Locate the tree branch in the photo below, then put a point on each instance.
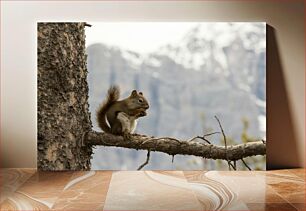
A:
(146, 162)
(174, 146)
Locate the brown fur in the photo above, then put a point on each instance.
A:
(134, 106)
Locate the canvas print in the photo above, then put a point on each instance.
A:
(152, 96)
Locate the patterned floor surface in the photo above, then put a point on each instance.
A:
(28, 189)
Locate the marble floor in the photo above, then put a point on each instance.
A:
(29, 189)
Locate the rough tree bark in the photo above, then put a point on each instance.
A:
(63, 112)
(174, 146)
(65, 138)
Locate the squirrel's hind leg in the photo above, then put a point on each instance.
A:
(116, 128)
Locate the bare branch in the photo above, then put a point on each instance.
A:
(146, 162)
(200, 137)
(231, 165)
(224, 138)
(209, 134)
(203, 137)
(171, 147)
(246, 164)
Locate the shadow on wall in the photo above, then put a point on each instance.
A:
(282, 147)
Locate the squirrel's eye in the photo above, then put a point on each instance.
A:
(140, 100)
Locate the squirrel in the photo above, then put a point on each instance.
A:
(121, 114)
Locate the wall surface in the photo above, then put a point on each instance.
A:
(285, 70)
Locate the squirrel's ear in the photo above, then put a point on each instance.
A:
(140, 93)
(134, 93)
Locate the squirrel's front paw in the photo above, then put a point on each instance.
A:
(141, 114)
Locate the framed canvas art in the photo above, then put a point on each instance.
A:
(152, 96)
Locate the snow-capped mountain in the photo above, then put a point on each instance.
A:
(216, 69)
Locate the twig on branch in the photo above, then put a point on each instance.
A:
(246, 164)
(203, 137)
(171, 147)
(224, 138)
(209, 134)
(146, 162)
(200, 137)
(231, 165)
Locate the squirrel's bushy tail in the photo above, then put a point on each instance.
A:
(113, 95)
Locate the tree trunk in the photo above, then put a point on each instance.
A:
(63, 110)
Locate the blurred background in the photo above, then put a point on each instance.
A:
(189, 72)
